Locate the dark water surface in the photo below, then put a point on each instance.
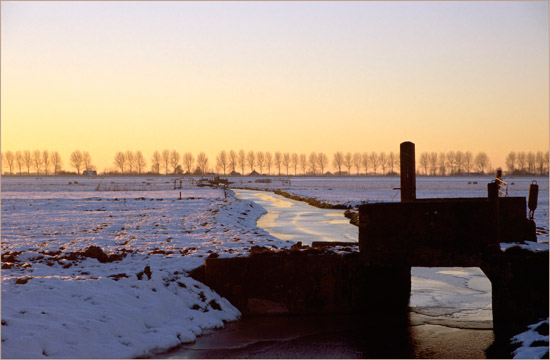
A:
(335, 337)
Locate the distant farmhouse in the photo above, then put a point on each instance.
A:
(89, 173)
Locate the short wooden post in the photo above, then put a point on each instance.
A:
(408, 172)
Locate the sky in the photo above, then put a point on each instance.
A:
(274, 76)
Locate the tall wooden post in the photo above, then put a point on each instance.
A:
(408, 172)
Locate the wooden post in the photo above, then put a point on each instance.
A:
(492, 197)
(408, 172)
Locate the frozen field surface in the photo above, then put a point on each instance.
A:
(98, 267)
(62, 298)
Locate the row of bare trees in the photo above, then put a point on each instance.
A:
(453, 163)
(314, 163)
(44, 162)
(527, 163)
(277, 163)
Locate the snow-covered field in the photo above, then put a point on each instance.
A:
(59, 302)
(98, 267)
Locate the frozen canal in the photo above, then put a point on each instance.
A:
(293, 220)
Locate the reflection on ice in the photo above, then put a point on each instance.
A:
(459, 297)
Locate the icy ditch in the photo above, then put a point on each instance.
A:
(57, 302)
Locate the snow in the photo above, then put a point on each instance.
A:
(526, 350)
(57, 303)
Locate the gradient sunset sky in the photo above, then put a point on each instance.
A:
(274, 76)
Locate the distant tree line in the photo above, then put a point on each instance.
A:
(266, 163)
(530, 163)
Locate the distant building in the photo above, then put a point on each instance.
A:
(89, 173)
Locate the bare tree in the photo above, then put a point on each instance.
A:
(221, 161)
(425, 161)
(242, 160)
(155, 162)
(202, 162)
(451, 161)
(232, 160)
(482, 162)
(27, 160)
(130, 161)
(303, 163)
(140, 161)
(348, 162)
(174, 160)
(374, 162)
(365, 162)
(76, 160)
(188, 161)
(383, 160)
(468, 161)
(459, 161)
(10, 160)
(338, 161)
(312, 161)
(286, 162)
(531, 162)
(442, 164)
(268, 162)
(56, 162)
(433, 163)
(522, 161)
(87, 160)
(46, 161)
(19, 160)
(165, 160)
(356, 160)
(392, 161)
(511, 160)
(120, 161)
(278, 161)
(541, 161)
(260, 161)
(295, 162)
(251, 159)
(322, 160)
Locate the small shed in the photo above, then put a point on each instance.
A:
(89, 173)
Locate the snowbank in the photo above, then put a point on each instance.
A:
(533, 342)
(74, 277)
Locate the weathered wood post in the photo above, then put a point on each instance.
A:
(408, 172)
(494, 216)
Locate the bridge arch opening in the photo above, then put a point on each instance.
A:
(450, 306)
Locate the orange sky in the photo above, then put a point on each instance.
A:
(274, 76)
